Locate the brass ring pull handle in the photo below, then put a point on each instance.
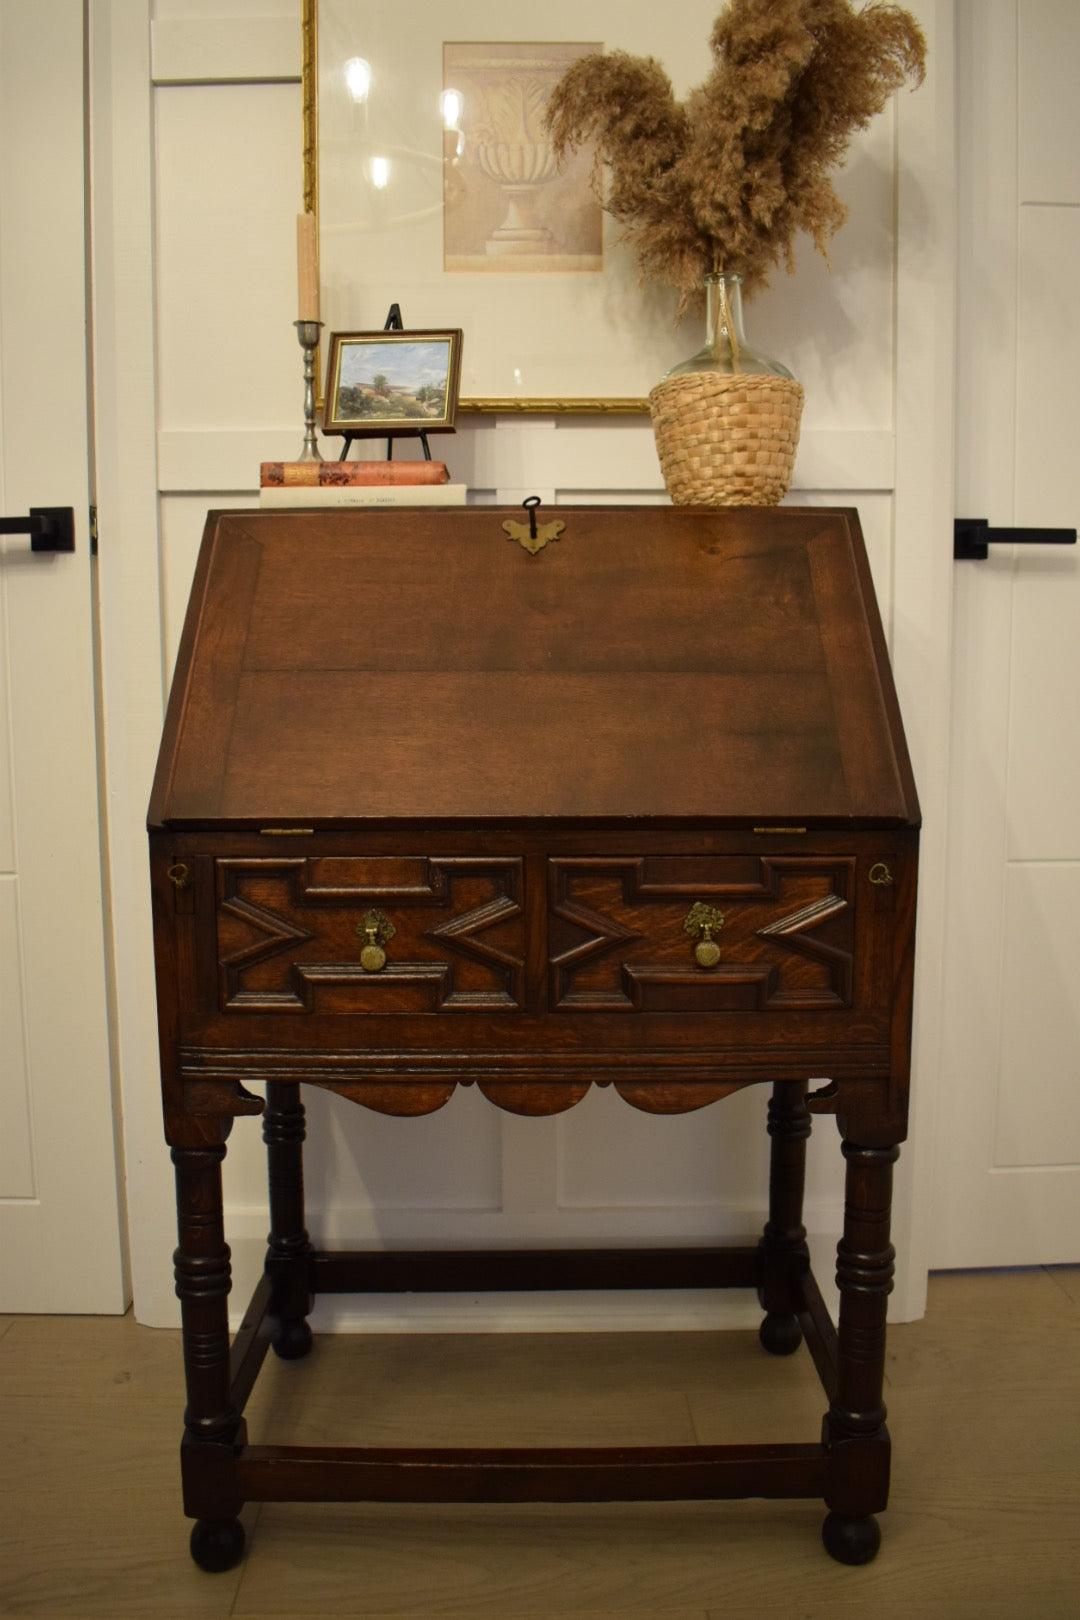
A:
(701, 924)
(178, 874)
(880, 875)
(379, 931)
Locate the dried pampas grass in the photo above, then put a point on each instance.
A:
(725, 180)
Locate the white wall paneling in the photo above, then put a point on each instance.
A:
(1047, 329)
(920, 610)
(129, 601)
(576, 452)
(227, 175)
(16, 1161)
(1042, 778)
(1049, 49)
(259, 47)
(204, 223)
(16, 1154)
(7, 807)
(1038, 1100)
(698, 1175)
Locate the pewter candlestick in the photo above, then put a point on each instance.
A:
(308, 333)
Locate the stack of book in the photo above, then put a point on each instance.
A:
(358, 483)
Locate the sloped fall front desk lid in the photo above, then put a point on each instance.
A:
(344, 667)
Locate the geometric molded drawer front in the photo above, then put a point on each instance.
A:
(618, 942)
(291, 934)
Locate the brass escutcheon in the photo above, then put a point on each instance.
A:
(178, 874)
(532, 535)
(701, 923)
(880, 874)
(379, 931)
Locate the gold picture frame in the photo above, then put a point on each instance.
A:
(582, 343)
(382, 384)
(600, 313)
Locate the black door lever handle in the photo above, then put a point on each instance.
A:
(973, 536)
(51, 528)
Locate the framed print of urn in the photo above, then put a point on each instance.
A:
(711, 192)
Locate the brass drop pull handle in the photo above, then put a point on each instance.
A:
(701, 924)
(379, 931)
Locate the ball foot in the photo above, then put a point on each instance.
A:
(216, 1544)
(291, 1340)
(780, 1335)
(851, 1540)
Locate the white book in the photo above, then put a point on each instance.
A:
(299, 495)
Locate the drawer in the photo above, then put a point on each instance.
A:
(335, 934)
(702, 933)
(329, 934)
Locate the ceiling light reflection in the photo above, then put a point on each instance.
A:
(451, 104)
(358, 77)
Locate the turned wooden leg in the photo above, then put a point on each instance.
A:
(213, 1427)
(784, 1253)
(290, 1249)
(856, 1439)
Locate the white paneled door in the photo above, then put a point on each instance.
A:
(1008, 1138)
(60, 1230)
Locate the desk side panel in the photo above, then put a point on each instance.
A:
(192, 759)
(890, 700)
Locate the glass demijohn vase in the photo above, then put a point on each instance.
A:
(726, 347)
(727, 419)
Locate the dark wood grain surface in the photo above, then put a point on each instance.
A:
(412, 665)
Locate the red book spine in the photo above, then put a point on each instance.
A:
(331, 474)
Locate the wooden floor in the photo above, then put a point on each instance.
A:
(984, 1399)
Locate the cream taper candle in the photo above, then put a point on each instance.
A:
(307, 267)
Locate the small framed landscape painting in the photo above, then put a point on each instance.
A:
(382, 383)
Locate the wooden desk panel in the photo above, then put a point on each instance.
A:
(713, 666)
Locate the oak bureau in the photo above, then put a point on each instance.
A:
(600, 795)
